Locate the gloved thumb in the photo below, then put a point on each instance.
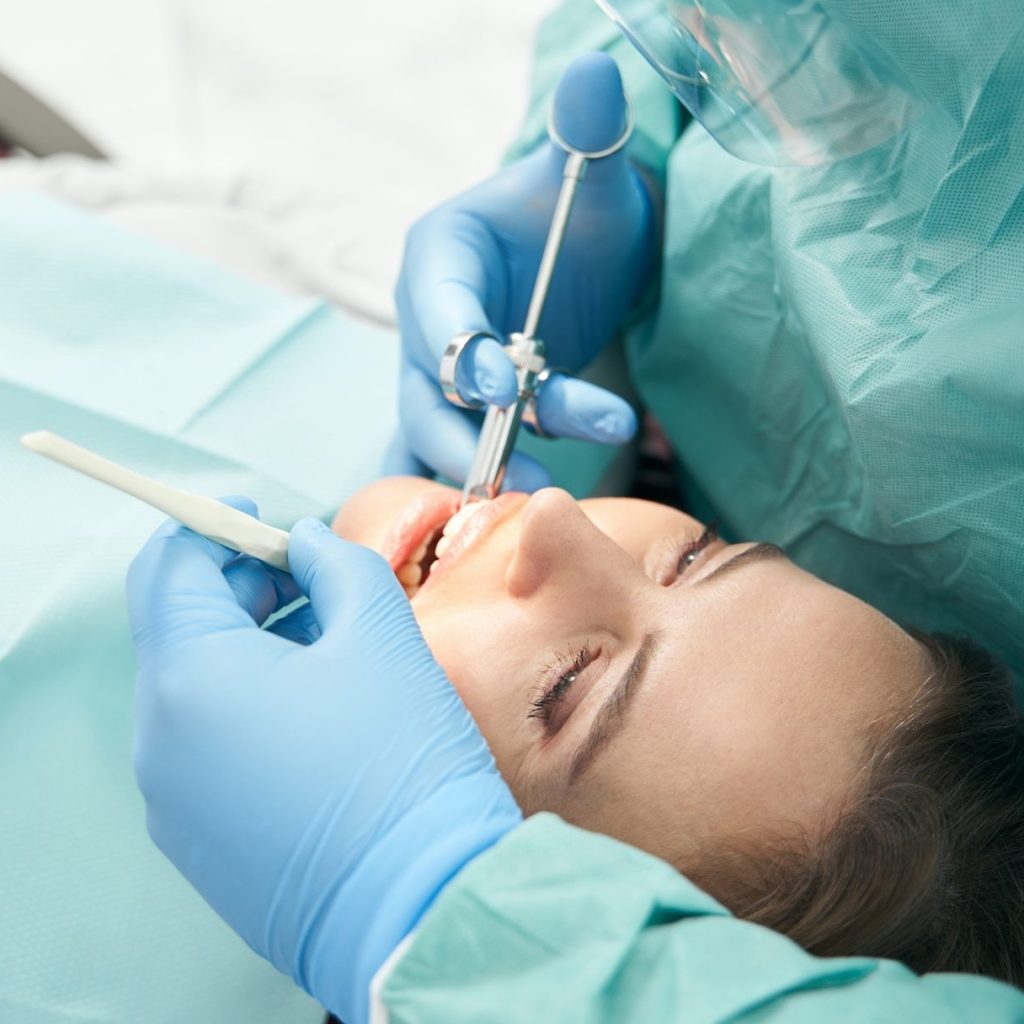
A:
(344, 582)
(590, 112)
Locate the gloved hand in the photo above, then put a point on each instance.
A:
(470, 265)
(318, 782)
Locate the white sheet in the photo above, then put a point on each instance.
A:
(294, 141)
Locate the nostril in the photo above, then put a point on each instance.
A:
(552, 528)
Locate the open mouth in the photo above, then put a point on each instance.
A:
(434, 543)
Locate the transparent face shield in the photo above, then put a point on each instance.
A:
(774, 81)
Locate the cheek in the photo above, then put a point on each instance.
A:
(468, 648)
(475, 654)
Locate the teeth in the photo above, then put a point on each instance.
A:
(410, 574)
(463, 516)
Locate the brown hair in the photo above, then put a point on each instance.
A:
(926, 863)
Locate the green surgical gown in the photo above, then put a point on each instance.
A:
(837, 353)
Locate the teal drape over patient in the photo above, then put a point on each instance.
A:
(837, 353)
(190, 374)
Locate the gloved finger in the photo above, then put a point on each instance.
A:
(343, 580)
(484, 373)
(452, 272)
(525, 473)
(176, 586)
(590, 113)
(445, 438)
(298, 626)
(399, 460)
(259, 588)
(569, 407)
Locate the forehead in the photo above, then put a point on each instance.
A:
(778, 637)
(635, 511)
(760, 700)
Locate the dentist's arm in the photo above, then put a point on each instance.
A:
(319, 782)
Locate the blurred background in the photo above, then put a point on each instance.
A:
(294, 141)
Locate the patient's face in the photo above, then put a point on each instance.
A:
(633, 676)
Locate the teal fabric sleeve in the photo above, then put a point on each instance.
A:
(558, 924)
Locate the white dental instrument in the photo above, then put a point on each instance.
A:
(207, 516)
(525, 349)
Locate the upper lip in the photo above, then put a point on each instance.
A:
(481, 523)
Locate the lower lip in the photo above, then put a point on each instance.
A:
(494, 511)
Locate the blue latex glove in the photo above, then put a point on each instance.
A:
(470, 265)
(319, 781)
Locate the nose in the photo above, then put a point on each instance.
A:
(560, 548)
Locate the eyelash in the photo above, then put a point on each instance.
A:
(543, 706)
(689, 552)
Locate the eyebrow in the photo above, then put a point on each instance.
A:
(612, 713)
(758, 553)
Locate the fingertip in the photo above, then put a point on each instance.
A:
(309, 533)
(486, 373)
(590, 104)
(438, 435)
(616, 426)
(569, 407)
(312, 543)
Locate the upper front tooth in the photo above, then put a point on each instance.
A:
(443, 545)
(457, 521)
(463, 516)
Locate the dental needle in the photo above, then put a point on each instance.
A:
(527, 352)
(207, 516)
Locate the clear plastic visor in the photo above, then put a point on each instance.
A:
(774, 81)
